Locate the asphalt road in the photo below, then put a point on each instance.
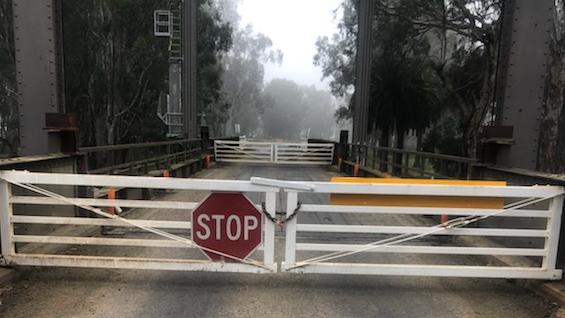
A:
(63, 292)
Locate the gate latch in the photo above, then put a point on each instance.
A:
(280, 218)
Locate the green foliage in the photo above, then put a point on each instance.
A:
(444, 136)
(403, 86)
(336, 56)
(116, 69)
(432, 61)
(214, 40)
(243, 79)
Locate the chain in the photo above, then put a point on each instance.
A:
(280, 218)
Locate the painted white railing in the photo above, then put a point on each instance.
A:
(363, 258)
(243, 151)
(273, 152)
(304, 153)
(30, 181)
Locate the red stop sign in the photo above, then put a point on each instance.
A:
(228, 223)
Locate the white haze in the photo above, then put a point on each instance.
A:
(294, 26)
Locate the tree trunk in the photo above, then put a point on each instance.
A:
(479, 112)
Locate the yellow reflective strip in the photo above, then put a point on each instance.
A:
(418, 201)
(419, 181)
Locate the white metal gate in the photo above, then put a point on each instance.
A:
(334, 257)
(273, 152)
(326, 255)
(161, 228)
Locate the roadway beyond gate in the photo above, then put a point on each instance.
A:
(48, 292)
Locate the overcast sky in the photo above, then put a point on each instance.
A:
(294, 26)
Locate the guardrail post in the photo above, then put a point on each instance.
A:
(469, 171)
(405, 163)
(342, 149)
(269, 244)
(290, 243)
(6, 227)
(374, 161)
(553, 228)
(383, 160)
(204, 139)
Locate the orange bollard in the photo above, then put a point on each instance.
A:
(166, 174)
(356, 170)
(111, 196)
(208, 161)
(444, 218)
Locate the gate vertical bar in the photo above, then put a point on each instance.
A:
(215, 150)
(290, 243)
(553, 227)
(274, 151)
(6, 227)
(269, 248)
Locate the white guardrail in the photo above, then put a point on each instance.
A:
(273, 152)
(401, 240)
(27, 180)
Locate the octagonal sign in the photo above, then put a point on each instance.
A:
(228, 223)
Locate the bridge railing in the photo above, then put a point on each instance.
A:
(406, 163)
(140, 158)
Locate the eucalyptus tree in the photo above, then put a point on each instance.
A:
(423, 52)
(243, 79)
(116, 68)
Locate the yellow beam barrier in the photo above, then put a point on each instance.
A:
(418, 201)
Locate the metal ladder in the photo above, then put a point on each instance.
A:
(175, 43)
